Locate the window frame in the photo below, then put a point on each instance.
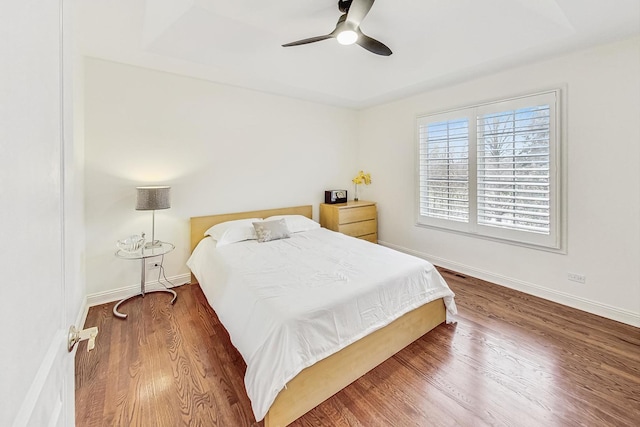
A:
(555, 240)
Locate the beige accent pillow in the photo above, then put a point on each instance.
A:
(271, 230)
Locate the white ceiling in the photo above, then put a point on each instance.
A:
(434, 42)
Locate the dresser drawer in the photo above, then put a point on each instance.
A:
(356, 219)
(361, 213)
(357, 229)
(373, 238)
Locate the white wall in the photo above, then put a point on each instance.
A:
(226, 149)
(603, 185)
(222, 149)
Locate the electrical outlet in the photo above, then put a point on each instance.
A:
(153, 264)
(575, 277)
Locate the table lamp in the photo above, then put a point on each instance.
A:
(151, 199)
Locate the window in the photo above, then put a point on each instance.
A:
(492, 170)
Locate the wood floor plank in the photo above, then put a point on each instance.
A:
(509, 359)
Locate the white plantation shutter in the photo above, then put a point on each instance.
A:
(492, 170)
(444, 170)
(513, 169)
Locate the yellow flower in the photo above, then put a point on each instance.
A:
(362, 178)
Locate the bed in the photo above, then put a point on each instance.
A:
(317, 380)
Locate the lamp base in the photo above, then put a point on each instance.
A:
(153, 244)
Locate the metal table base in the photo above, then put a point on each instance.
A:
(142, 293)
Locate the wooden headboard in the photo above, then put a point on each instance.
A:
(200, 224)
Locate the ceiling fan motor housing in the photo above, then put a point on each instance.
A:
(344, 5)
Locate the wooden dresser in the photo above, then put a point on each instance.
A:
(358, 219)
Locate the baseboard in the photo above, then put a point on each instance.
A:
(593, 307)
(126, 291)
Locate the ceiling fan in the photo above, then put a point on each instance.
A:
(347, 29)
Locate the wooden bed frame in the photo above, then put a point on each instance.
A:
(322, 380)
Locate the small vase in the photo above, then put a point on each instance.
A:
(355, 197)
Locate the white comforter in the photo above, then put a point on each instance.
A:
(289, 303)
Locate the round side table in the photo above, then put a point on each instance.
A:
(149, 252)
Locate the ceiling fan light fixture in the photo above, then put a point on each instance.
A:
(347, 37)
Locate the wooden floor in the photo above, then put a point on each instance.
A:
(509, 360)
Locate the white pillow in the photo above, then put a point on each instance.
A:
(229, 232)
(296, 223)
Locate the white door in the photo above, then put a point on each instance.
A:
(38, 250)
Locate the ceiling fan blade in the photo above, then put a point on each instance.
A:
(373, 45)
(319, 38)
(309, 40)
(358, 10)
